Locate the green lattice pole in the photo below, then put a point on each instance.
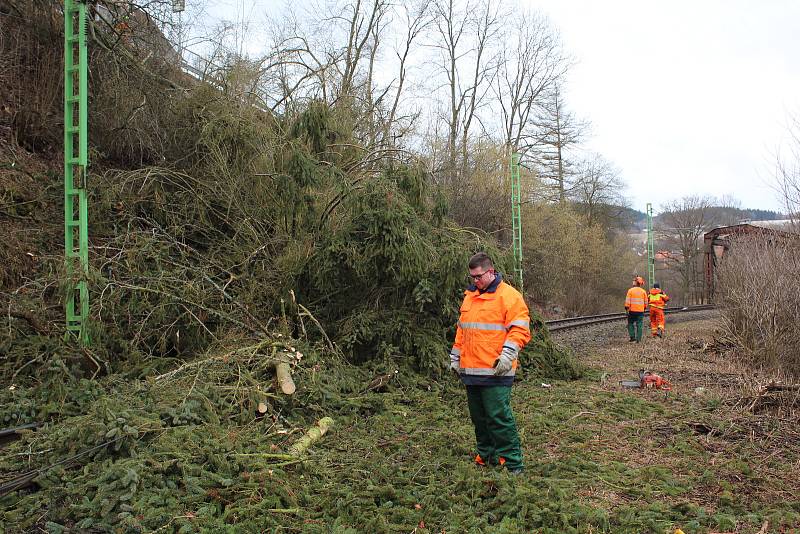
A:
(516, 217)
(76, 233)
(651, 256)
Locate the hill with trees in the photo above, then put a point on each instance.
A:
(272, 240)
(259, 218)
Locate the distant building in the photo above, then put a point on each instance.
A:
(716, 244)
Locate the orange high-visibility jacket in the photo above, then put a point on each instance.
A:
(636, 299)
(489, 322)
(658, 299)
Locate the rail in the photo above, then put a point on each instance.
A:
(586, 320)
(10, 434)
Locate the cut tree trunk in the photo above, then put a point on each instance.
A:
(314, 434)
(285, 378)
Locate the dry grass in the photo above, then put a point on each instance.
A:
(758, 306)
(748, 436)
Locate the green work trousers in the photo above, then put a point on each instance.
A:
(635, 325)
(495, 428)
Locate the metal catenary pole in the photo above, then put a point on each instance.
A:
(516, 217)
(651, 257)
(76, 233)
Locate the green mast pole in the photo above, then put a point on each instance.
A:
(516, 217)
(651, 256)
(76, 233)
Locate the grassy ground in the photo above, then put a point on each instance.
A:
(599, 459)
(711, 456)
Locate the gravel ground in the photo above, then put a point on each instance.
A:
(587, 338)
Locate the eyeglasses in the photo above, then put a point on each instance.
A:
(476, 276)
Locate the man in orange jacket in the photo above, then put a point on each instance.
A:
(635, 306)
(658, 301)
(493, 327)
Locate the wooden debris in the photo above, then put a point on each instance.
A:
(772, 386)
(380, 382)
(285, 381)
(314, 434)
(699, 427)
(770, 395)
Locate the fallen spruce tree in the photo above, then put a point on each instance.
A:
(266, 242)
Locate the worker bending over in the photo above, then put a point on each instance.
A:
(635, 306)
(658, 301)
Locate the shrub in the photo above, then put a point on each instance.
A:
(756, 281)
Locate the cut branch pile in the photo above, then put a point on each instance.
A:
(240, 264)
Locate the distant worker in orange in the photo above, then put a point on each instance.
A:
(635, 306)
(658, 300)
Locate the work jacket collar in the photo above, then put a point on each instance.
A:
(492, 287)
(655, 290)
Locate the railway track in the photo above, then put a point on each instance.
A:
(8, 435)
(586, 320)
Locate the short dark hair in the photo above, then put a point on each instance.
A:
(481, 259)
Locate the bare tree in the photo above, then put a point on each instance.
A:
(787, 173)
(298, 65)
(373, 96)
(727, 211)
(339, 58)
(486, 23)
(598, 191)
(681, 226)
(464, 35)
(556, 132)
(531, 63)
(360, 20)
(417, 19)
(451, 27)
(332, 57)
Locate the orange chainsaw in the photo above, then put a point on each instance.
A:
(647, 380)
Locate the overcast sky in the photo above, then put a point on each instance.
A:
(684, 97)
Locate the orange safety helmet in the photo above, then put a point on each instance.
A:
(639, 281)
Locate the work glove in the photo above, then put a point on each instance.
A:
(455, 363)
(503, 364)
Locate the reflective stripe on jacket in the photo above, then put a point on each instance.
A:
(658, 299)
(636, 299)
(490, 321)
